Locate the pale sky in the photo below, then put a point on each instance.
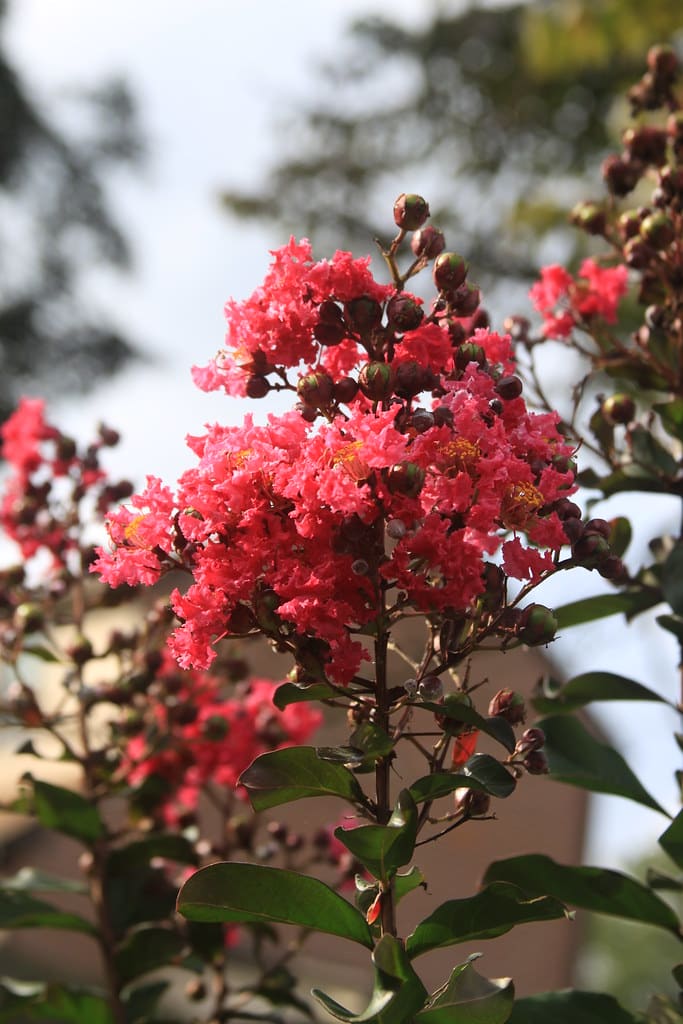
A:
(210, 78)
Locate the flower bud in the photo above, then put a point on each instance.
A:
(376, 381)
(638, 254)
(465, 300)
(410, 211)
(658, 230)
(430, 689)
(662, 62)
(509, 387)
(406, 478)
(599, 526)
(404, 313)
(619, 408)
(620, 177)
(452, 702)
(590, 550)
(412, 378)
(473, 803)
(345, 390)
(590, 218)
(531, 739)
(315, 390)
(628, 224)
(508, 705)
(257, 387)
(613, 569)
(646, 143)
(329, 334)
(537, 626)
(80, 651)
(469, 353)
(428, 242)
(363, 313)
(450, 270)
(536, 763)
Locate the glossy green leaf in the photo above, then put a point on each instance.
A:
(594, 686)
(491, 912)
(398, 994)
(21, 910)
(672, 578)
(292, 693)
(252, 892)
(66, 811)
(651, 453)
(620, 535)
(628, 603)
(145, 950)
(577, 758)
(672, 624)
(671, 841)
(51, 1002)
(469, 998)
(660, 880)
(671, 414)
(570, 1007)
(41, 652)
(384, 848)
(481, 772)
(295, 773)
(408, 882)
(677, 972)
(373, 741)
(495, 726)
(597, 889)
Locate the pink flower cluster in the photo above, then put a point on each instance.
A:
(314, 527)
(49, 479)
(201, 736)
(566, 302)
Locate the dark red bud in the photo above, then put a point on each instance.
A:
(473, 803)
(257, 387)
(404, 313)
(590, 218)
(590, 550)
(531, 739)
(410, 211)
(406, 478)
(599, 526)
(315, 390)
(536, 763)
(620, 176)
(618, 408)
(469, 353)
(450, 270)
(428, 242)
(329, 334)
(509, 387)
(658, 230)
(508, 705)
(376, 381)
(363, 313)
(662, 62)
(465, 300)
(345, 390)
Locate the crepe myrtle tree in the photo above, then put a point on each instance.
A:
(412, 481)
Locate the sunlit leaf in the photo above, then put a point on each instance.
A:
(397, 994)
(594, 686)
(295, 773)
(491, 912)
(469, 998)
(384, 848)
(251, 892)
(597, 889)
(577, 758)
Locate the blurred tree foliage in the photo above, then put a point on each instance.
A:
(498, 115)
(55, 226)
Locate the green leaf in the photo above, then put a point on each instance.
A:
(672, 578)
(373, 741)
(575, 757)
(491, 912)
(594, 686)
(597, 889)
(495, 726)
(139, 853)
(481, 772)
(570, 1007)
(141, 1001)
(295, 773)
(651, 453)
(407, 882)
(469, 998)
(292, 693)
(628, 602)
(51, 1002)
(21, 910)
(630, 478)
(33, 880)
(677, 972)
(397, 994)
(671, 414)
(620, 535)
(671, 841)
(659, 880)
(251, 892)
(673, 624)
(384, 848)
(66, 811)
(40, 651)
(146, 949)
